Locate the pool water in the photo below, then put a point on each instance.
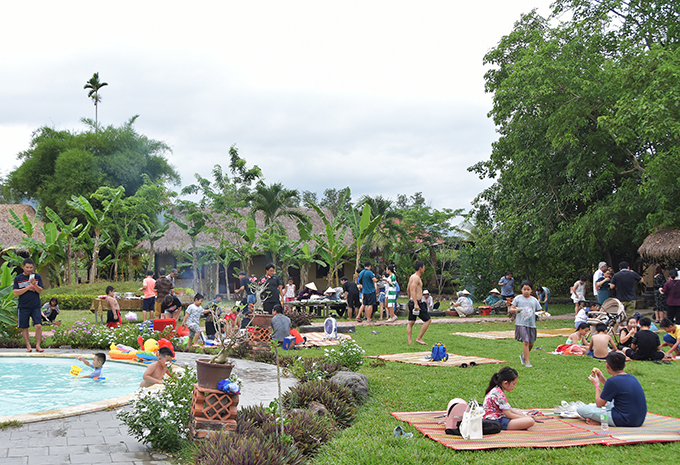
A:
(34, 384)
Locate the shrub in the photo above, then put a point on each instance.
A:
(88, 335)
(71, 301)
(307, 430)
(314, 368)
(338, 400)
(298, 318)
(348, 354)
(161, 418)
(254, 449)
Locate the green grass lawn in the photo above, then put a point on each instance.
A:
(405, 387)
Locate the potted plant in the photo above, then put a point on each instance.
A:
(211, 371)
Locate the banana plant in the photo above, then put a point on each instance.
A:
(152, 234)
(361, 227)
(23, 224)
(331, 247)
(69, 231)
(8, 305)
(96, 220)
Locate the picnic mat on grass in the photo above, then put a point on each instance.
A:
(319, 339)
(420, 358)
(553, 432)
(510, 334)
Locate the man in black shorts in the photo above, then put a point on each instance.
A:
(351, 295)
(415, 295)
(27, 287)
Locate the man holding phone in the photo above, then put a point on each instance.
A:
(27, 287)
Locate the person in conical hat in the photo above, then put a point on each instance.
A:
(308, 291)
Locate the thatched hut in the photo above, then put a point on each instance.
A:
(175, 241)
(661, 247)
(11, 236)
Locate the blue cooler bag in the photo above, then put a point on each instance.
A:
(288, 342)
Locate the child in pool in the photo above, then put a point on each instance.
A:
(157, 370)
(496, 406)
(525, 307)
(579, 336)
(97, 364)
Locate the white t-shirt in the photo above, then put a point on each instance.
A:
(194, 313)
(597, 275)
(579, 291)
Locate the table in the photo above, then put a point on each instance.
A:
(320, 308)
(99, 305)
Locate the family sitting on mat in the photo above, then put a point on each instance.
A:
(621, 395)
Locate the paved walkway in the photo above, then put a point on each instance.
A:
(99, 437)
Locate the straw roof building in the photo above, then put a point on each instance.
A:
(662, 246)
(176, 240)
(11, 236)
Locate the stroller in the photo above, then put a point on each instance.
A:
(612, 314)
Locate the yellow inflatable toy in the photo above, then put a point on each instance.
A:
(151, 345)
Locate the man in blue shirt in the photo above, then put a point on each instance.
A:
(368, 285)
(507, 284)
(622, 396)
(27, 287)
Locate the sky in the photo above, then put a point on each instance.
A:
(386, 97)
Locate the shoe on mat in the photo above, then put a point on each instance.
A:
(521, 359)
(528, 365)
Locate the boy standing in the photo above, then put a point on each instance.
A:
(193, 318)
(671, 338)
(148, 286)
(599, 344)
(27, 287)
(155, 372)
(645, 343)
(416, 306)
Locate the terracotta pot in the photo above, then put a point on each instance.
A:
(263, 320)
(209, 374)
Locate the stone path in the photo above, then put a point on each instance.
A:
(99, 437)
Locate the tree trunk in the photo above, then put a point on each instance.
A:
(194, 263)
(68, 261)
(152, 257)
(303, 274)
(95, 255)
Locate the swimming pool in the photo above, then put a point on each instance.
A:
(36, 384)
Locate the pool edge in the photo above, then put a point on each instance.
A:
(75, 409)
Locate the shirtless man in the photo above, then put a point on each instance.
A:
(415, 295)
(154, 374)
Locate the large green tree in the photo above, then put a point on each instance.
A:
(62, 164)
(587, 113)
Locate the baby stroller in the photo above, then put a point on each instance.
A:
(612, 314)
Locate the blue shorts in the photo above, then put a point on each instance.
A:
(504, 423)
(668, 339)
(369, 299)
(252, 298)
(381, 298)
(24, 314)
(148, 304)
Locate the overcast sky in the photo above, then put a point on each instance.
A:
(383, 97)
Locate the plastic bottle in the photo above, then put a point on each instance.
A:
(604, 419)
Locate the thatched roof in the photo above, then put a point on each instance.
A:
(176, 239)
(661, 246)
(11, 236)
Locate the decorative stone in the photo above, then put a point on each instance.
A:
(356, 382)
(316, 408)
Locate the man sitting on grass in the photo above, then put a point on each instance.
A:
(671, 338)
(622, 395)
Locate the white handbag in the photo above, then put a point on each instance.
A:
(471, 425)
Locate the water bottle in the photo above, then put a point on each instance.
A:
(604, 419)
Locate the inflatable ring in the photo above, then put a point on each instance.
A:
(120, 355)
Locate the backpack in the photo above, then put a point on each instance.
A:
(439, 353)
(454, 415)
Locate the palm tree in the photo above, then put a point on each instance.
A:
(388, 229)
(275, 201)
(94, 85)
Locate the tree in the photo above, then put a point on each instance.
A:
(93, 86)
(330, 244)
(274, 201)
(193, 222)
(96, 220)
(361, 226)
(586, 115)
(69, 231)
(61, 164)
